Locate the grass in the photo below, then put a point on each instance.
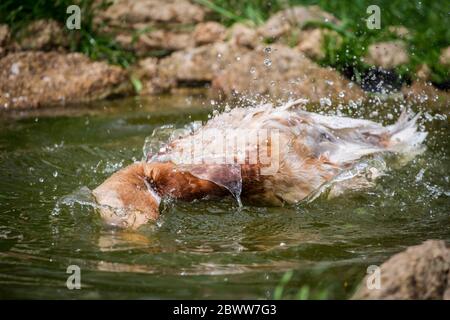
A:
(304, 293)
(427, 20)
(18, 14)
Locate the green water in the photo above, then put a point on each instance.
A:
(196, 250)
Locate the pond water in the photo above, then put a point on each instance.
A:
(208, 249)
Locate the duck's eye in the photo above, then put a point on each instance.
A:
(324, 136)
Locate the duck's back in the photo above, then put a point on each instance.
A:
(302, 149)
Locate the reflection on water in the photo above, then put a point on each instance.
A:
(50, 160)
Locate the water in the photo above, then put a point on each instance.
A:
(208, 249)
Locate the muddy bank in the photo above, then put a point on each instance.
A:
(419, 272)
(178, 46)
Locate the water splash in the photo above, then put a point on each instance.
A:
(360, 176)
(82, 196)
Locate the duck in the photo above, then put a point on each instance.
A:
(265, 155)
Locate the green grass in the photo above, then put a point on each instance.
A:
(304, 293)
(18, 14)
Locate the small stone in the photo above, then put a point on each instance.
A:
(387, 55)
(444, 58)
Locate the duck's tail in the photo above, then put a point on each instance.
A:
(404, 137)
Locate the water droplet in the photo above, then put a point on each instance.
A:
(268, 50)
(267, 62)
(55, 174)
(41, 180)
(252, 70)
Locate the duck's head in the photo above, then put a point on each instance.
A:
(126, 199)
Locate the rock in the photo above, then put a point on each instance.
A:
(387, 55)
(281, 72)
(4, 38)
(200, 64)
(243, 36)
(421, 92)
(400, 31)
(423, 72)
(155, 40)
(162, 11)
(32, 79)
(444, 58)
(311, 42)
(147, 71)
(209, 32)
(419, 272)
(295, 17)
(42, 35)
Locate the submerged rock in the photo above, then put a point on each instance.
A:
(387, 55)
(419, 272)
(281, 72)
(32, 79)
(311, 42)
(286, 20)
(209, 32)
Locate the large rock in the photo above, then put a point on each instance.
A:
(281, 72)
(160, 11)
(284, 21)
(200, 64)
(387, 55)
(420, 272)
(312, 42)
(32, 79)
(153, 81)
(424, 93)
(42, 35)
(149, 42)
